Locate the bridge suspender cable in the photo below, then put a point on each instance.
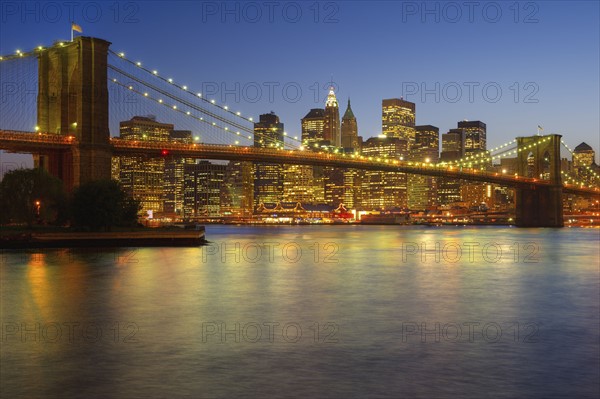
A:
(180, 100)
(185, 89)
(174, 107)
(155, 74)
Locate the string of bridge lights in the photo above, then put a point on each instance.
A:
(175, 108)
(475, 159)
(483, 156)
(185, 89)
(188, 113)
(574, 180)
(21, 54)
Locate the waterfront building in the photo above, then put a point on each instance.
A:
(174, 175)
(203, 181)
(298, 184)
(237, 193)
(268, 177)
(384, 190)
(141, 177)
(422, 190)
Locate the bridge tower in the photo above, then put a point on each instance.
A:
(539, 206)
(73, 101)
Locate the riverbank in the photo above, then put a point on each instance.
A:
(65, 238)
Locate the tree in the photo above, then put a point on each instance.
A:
(102, 204)
(28, 195)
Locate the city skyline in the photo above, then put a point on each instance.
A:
(306, 199)
(562, 87)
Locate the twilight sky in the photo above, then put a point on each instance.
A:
(512, 65)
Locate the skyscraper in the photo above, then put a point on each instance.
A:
(143, 178)
(298, 184)
(422, 190)
(202, 189)
(333, 180)
(313, 125)
(398, 119)
(584, 163)
(237, 193)
(583, 156)
(351, 142)
(468, 139)
(331, 129)
(453, 145)
(384, 190)
(349, 130)
(475, 136)
(268, 177)
(174, 175)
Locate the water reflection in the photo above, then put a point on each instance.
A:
(218, 322)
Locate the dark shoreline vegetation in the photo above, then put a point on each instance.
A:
(38, 213)
(34, 197)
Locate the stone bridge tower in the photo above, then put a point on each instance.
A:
(539, 206)
(73, 101)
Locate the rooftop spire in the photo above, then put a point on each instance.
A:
(331, 99)
(348, 114)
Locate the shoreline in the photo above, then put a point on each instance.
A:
(76, 239)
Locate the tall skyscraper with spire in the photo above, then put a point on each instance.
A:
(349, 130)
(331, 131)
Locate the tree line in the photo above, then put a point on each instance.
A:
(33, 196)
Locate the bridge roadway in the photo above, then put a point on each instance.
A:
(27, 142)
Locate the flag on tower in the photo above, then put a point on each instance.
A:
(76, 27)
(541, 128)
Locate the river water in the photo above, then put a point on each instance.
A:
(309, 312)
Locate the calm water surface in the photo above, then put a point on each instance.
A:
(309, 312)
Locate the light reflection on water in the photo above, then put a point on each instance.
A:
(307, 311)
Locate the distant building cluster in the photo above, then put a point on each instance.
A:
(187, 188)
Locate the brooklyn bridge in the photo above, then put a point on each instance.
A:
(72, 137)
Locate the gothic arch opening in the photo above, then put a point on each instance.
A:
(530, 170)
(545, 169)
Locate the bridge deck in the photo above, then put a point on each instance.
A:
(28, 142)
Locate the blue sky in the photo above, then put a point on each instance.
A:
(512, 65)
